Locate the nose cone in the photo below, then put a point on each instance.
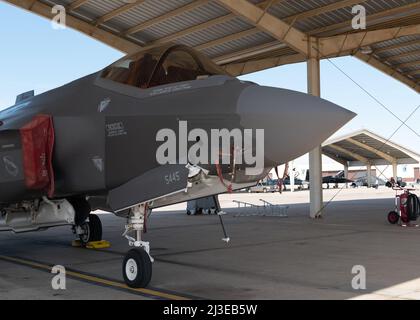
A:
(294, 123)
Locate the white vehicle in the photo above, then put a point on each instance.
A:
(265, 187)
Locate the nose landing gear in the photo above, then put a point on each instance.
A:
(137, 264)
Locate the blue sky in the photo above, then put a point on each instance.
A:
(35, 56)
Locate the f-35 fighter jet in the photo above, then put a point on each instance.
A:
(159, 127)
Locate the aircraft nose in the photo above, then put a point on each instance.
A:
(294, 123)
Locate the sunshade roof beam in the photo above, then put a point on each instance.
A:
(268, 23)
(349, 153)
(379, 153)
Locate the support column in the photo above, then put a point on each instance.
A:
(346, 173)
(292, 176)
(369, 175)
(315, 156)
(395, 171)
(315, 183)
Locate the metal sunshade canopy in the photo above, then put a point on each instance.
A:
(245, 36)
(364, 147)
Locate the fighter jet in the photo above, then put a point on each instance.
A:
(122, 140)
(335, 179)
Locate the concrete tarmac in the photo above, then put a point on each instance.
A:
(267, 258)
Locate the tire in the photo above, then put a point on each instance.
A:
(137, 268)
(393, 217)
(92, 230)
(413, 207)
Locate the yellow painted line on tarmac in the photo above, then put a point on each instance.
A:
(95, 279)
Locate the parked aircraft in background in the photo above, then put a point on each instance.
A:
(336, 179)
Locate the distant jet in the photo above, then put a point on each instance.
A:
(336, 179)
(97, 143)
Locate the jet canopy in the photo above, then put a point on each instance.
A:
(160, 66)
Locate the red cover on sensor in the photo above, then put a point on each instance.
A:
(37, 146)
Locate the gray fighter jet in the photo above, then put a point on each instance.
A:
(335, 179)
(94, 143)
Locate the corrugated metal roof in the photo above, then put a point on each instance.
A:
(98, 8)
(344, 16)
(370, 146)
(239, 44)
(185, 20)
(217, 31)
(149, 10)
(286, 9)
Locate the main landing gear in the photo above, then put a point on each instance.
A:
(137, 265)
(90, 231)
(88, 227)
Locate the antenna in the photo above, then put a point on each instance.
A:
(25, 96)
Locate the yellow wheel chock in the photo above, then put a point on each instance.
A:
(103, 244)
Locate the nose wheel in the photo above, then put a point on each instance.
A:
(137, 268)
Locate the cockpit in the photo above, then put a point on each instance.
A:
(160, 66)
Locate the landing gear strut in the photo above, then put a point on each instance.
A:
(137, 265)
